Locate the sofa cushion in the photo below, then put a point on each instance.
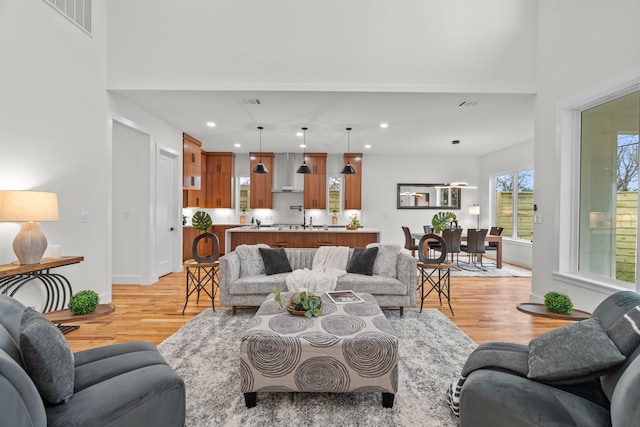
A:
(625, 333)
(251, 263)
(47, 357)
(573, 353)
(362, 261)
(386, 263)
(275, 261)
(374, 285)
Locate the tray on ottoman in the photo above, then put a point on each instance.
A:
(350, 348)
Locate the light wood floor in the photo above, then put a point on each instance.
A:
(485, 309)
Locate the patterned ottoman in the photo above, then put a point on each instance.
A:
(349, 348)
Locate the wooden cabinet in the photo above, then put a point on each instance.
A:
(196, 198)
(315, 183)
(261, 183)
(353, 182)
(219, 179)
(303, 239)
(191, 163)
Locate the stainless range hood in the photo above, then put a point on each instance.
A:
(285, 178)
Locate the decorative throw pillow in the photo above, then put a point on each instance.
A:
(251, 263)
(625, 333)
(275, 261)
(386, 263)
(47, 357)
(580, 350)
(362, 260)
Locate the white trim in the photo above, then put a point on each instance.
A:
(567, 212)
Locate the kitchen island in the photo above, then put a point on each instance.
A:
(282, 237)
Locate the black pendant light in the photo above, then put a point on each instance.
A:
(259, 168)
(348, 169)
(303, 167)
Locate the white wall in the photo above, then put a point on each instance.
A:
(581, 44)
(402, 45)
(52, 129)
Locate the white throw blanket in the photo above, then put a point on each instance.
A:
(329, 264)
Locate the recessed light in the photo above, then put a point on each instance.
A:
(384, 125)
(299, 133)
(303, 146)
(211, 124)
(237, 145)
(367, 146)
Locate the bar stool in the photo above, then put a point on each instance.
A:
(203, 271)
(434, 272)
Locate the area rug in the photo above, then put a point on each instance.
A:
(205, 353)
(507, 270)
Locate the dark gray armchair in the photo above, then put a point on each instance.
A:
(127, 384)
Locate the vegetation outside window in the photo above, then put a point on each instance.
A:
(514, 204)
(608, 230)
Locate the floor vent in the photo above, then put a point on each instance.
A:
(77, 11)
(251, 101)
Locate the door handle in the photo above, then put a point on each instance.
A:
(171, 229)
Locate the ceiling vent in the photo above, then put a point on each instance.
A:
(77, 11)
(251, 101)
(468, 103)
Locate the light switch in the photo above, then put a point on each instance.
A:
(85, 217)
(537, 218)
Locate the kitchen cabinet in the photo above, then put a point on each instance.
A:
(353, 182)
(219, 179)
(196, 198)
(315, 183)
(303, 238)
(191, 163)
(261, 183)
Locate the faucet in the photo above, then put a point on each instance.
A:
(304, 219)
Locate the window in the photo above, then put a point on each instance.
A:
(609, 188)
(513, 201)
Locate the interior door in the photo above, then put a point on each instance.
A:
(166, 226)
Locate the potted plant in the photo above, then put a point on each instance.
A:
(354, 224)
(556, 302)
(442, 220)
(202, 221)
(301, 304)
(83, 302)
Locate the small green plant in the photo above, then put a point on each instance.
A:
(310, 304)
(83, 302)
(201, 221)
(558, 303)
(442, 220)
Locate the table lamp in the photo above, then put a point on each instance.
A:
(29, 207)
(475, 210)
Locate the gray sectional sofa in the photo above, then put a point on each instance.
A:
(243, 281)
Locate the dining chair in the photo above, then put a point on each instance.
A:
(452, 237)
(475, 246)
(493, 246)
(409, 242)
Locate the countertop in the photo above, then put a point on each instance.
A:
(317, 229)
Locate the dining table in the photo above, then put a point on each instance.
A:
(488, 239)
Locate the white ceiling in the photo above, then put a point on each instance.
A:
(419, 123)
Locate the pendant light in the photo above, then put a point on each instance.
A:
(303, 167)
(259, 168)
(348, 169)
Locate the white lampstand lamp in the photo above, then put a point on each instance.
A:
(475, 210)
(29, 207)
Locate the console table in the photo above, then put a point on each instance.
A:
(58, 289)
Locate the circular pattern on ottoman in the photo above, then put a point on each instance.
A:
(370, 354)
(328, 307)
(342, 325)
(246, 377)
(320, 339)
(362, 309)
(289, 324)
(273, 356)
(322, 374)
(382, 323)
(270, 307)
